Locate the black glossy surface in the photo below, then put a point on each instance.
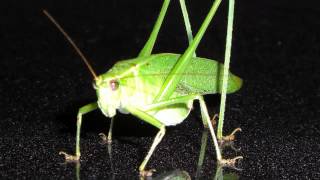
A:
(43, 83)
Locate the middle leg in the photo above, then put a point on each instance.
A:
(153, 121)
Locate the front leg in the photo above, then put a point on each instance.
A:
(83, 110)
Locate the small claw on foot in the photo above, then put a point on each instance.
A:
(105, 139)
(69, 158)
(231, 137)
(230, 162)
(226, 139)
(147, 173)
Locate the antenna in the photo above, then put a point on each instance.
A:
(72, 43)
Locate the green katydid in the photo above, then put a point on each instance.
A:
(157, 88)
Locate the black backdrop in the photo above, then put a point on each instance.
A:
(43, 83)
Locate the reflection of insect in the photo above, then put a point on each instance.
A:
(157, 88)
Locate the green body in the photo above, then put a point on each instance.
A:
(160, 89)
(140, 79)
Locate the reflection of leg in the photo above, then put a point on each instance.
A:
(83, 110)
(204, 140)
(219, 173)
(78, 167)
(111, 160)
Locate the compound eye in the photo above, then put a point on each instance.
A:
(114, 85)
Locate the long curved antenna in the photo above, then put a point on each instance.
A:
(71, 42)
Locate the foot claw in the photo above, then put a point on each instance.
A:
(230, 162)
(227, 140)
(69, 158)
(231, 137)
(105, 139)
(213, 120)
(147, 173)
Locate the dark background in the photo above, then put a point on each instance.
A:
(43, 83)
